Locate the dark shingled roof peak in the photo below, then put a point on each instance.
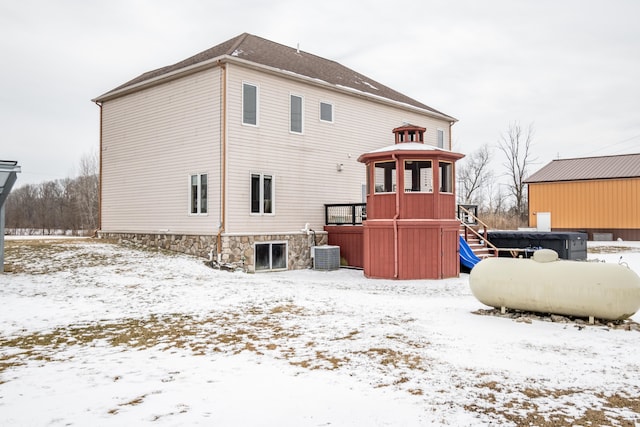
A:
(274, 55)
(589, 168)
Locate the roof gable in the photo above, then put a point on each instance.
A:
(589, 168)
(274, 55)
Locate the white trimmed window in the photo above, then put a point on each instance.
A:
(262, 193)
(270, 256)
(249, 104)
(296, 105)
(198, 194)
(440, 138)
(326, 112)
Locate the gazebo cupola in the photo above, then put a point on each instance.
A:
(409, 133)
(411, 231)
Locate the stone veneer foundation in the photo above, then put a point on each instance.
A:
(236, 249)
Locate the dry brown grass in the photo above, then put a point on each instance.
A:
(611, 249)
(132, 402)
(45, 256)
(396, 359)
(502, 221)
(273, 329)
(524, 407)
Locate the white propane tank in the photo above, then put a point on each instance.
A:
(545, 284)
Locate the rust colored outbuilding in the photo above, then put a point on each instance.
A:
(596, 195)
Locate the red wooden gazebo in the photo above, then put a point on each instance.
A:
(411, 230)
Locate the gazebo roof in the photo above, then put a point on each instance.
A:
(410, 148)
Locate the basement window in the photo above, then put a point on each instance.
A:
(270, 256)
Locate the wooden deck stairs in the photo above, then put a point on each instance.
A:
(474, 232)
(478, 245)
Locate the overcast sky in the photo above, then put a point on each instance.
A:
(571, 68)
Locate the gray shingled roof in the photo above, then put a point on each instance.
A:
(267, 53)
(589, 168)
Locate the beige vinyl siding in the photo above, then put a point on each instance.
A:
(153, 140)
(304, 166)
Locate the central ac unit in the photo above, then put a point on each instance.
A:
(326, 257)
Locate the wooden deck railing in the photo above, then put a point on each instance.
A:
(345, 213)
(468, 217)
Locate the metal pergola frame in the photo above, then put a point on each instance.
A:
(8, 174)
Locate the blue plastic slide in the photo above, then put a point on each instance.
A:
(467, 258)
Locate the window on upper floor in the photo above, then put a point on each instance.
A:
(418, 176)
(385, 177)
(326, 112)
(249, 104)
(198, 194)
(446, 177)
(262, 193)
(440, 138)
(295, 116)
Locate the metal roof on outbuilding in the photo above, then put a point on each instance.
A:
(589, 168)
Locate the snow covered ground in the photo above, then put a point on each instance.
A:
(93, 333)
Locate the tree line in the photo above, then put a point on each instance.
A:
(71, 204)
(502, 200)
(68, 205)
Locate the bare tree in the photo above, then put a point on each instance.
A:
(87, 191)
(66, 204)
(494, 197)
(69, 215)
(48, 208)
(19, 207)
(516, 146)
(473, 176)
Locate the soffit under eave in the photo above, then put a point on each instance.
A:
(163, 78)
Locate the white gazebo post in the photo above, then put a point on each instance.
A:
(8, 176)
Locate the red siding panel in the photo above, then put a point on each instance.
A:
(417, 205)
(451, 245)
(427, 249)
(380, 206)
(419, 252)
(379, 249)
(351, 242)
